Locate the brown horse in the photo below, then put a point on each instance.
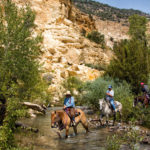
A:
(61, 120)
(141, 99)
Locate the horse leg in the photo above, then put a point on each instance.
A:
(75, 130)
(114, 118)
(67, 131)
(107, 120)
(120, 116)
(100, 120)
(146, 103)
(84, 123)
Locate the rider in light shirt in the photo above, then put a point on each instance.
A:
(110, 96)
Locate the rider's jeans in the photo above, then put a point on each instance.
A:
(111, 100)
(112, 103)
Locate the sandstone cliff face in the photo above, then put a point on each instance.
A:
(113, 31)
(65, 51)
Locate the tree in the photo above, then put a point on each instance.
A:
(19, 74)
(131, 61)
(137, 28)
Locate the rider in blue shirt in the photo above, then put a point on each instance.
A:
(110, 96)
(69, 106)
(69, 101)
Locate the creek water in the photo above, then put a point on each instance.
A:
(47, 139)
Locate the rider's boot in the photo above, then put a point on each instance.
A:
(114, 111)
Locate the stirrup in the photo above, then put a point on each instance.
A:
(73, 123)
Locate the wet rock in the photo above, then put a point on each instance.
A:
(136, 128)
(124, 147)
(148, 133)
(110, 130)
(145, 141)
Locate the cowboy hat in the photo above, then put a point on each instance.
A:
(68, 93)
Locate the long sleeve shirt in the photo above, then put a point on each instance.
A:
(69, 102)
(111, 93)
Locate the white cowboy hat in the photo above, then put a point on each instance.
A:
(68, 93)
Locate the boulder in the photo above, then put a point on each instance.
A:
(52, 50)
(72, 73)
(64, 74)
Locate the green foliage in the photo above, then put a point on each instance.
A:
(100, 67)
(138, 27)
(97, 89)
(73, 83)
(131, 61)
(130, 138)
(96, 37)
(142, 115)
(113, 142)
(19, 75)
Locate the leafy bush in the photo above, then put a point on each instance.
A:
(113, 142)
(130, 139)
(73, 83)
(96, 37)
(99, 67)
(97, 89)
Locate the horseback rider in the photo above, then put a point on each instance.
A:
(145, 90)
(69, 107)
(110, 97)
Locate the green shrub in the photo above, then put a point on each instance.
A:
(100, 67)
(96, 90)
(130, 139)
(113, 142)
(96, 37)
(73, 83)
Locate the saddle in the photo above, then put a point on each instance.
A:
(72, 112)
(110, 106)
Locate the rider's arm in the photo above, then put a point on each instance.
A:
(111, 94)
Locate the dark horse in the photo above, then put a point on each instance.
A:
(141, 99)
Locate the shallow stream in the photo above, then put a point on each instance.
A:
(47, 139)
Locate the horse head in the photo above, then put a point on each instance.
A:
(54, 119)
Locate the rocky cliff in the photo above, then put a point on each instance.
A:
(65, 52)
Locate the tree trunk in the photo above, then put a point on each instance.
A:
(35, 107)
